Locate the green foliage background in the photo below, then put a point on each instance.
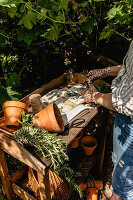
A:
(40, 39)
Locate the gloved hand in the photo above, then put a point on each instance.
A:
(98, 73)
(89, 93)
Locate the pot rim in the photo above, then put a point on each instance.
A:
(15, 104)
(57, 123)
(86, 138)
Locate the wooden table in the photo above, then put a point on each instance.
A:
(10, 146)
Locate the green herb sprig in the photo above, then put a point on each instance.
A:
(50, 147)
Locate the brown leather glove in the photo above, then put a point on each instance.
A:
(88, 93)
(98, 73)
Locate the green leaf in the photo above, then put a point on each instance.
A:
(113, 12)
(130, 2)
(26, 35)
(3, 95)
(84, 4)
(89, 25)
(12, 12)
(106, 33)
(7, 3)
(13, 80)
(14, 95)
(52, 33)
(63, 5)
(28, 20)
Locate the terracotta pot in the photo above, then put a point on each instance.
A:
(12, 112)
(92, 194)
(49, 118)
(75, 142)
(88, 143)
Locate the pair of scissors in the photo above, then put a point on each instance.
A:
(76, 123)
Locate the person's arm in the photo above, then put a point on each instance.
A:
(104, 72)
(104, 100)
(114, 70)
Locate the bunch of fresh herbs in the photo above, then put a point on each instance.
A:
(50, 147)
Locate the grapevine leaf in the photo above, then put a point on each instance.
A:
(27, 35)
(7, 3)
(113, 12)
(89, 25)
(28, 20)
(52, 32)
(13, 80)
(63, 5)
(106, 33)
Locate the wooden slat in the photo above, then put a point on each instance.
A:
(7, 185)
(69, 135)
(44, 186)
(18, 175)
(19, 152)
(22, 193)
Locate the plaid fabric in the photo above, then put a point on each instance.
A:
(122, 86)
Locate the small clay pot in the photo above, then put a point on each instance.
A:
(12, 112)
(49, 119)
(91, 194)
(88, 143)
(75, 142)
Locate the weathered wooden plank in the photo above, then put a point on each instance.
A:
(44, 186)
(69, 135)
(22, 193)
(19, 152)
(18, 175)
(7, 185)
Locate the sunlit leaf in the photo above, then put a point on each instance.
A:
(14, 95)
(28, 20)
(114, 11)
(7, 3)
(106, 33)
